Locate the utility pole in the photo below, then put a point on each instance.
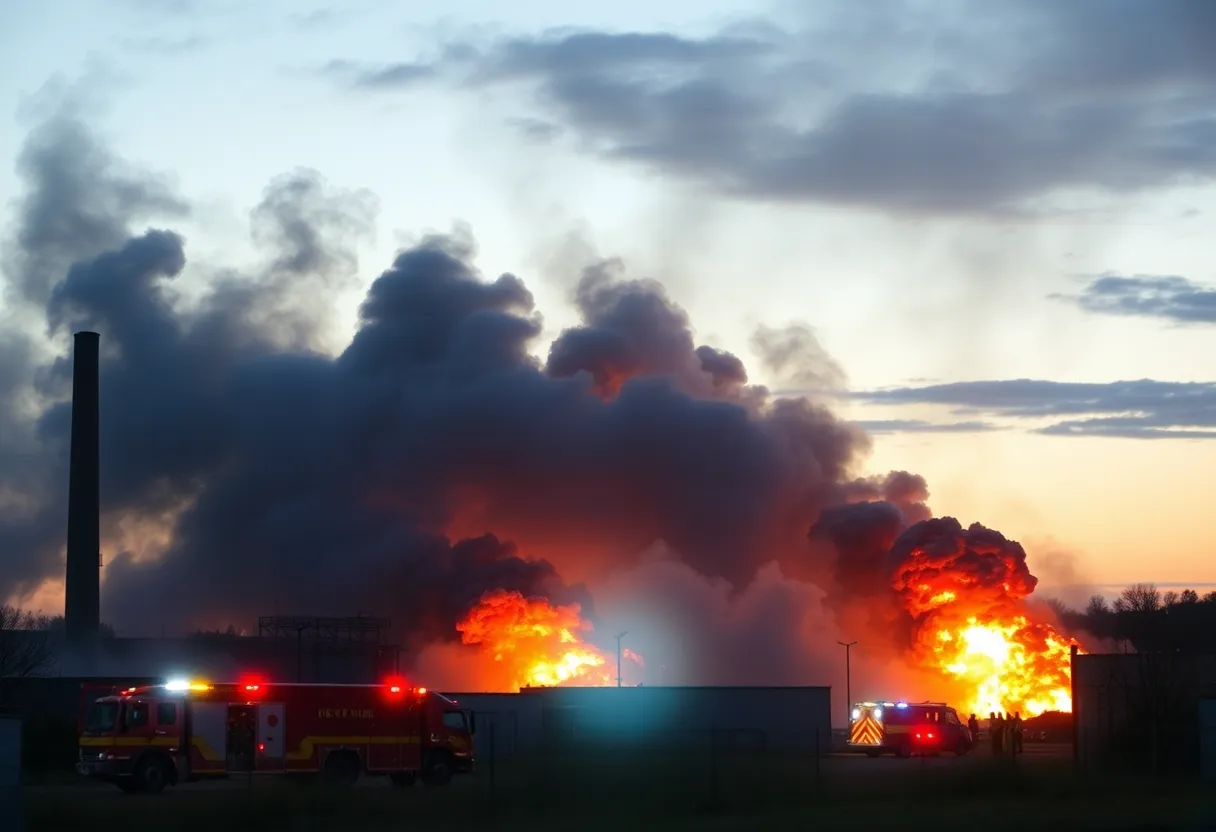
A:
(848, 681)
(619, 636)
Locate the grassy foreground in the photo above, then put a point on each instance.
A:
(602, 790)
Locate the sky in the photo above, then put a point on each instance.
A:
(993, 217)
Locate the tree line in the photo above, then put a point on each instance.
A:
(1143, 618)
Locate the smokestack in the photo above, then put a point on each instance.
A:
(82, 591)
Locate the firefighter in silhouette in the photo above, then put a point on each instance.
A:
(973, 726)
(1016, 732)
(996, 727)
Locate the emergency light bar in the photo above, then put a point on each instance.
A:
(186, 684)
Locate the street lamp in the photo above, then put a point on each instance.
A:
(848, 680)
(619, 636)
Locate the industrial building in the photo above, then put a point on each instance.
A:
(1143, 711)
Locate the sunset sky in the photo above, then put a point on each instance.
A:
(992, 215)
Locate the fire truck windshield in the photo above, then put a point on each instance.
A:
(102, 717)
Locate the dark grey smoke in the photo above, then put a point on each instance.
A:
(300, 482)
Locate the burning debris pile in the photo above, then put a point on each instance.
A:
(433, 469)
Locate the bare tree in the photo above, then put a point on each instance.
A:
(1097, 607)
(1170, 598)
(1141, 598)
(1188, 596)
(25, 644)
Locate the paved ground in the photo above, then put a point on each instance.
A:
(842, 791)
(843, 764)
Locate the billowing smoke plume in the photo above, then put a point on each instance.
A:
(938, 563)
(432, 459)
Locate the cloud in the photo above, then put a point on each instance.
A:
(1143, 409)
(941, 117)
(385, 76)
(920, 426)
(1165, 297)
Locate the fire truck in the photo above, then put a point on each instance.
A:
(144, 738)
(907, 728)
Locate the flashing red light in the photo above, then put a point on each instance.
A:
(395, 685)
(422, 691)
(261, 747)
(251, 683)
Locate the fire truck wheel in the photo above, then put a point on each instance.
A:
(403, 779)
(151, 775)
(341, 768)
(438, 773)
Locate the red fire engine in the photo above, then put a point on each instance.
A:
(907, 728)
(144, 738)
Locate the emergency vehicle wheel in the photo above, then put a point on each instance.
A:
(151, 775)
(341, 768)
(438, 773)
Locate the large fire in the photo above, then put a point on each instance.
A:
(1010, 665)
(538, 644)
(967, 589)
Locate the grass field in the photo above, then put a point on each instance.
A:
(606, 790)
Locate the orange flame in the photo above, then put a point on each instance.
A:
(539, 644)
(967, 590)
(1005, 665)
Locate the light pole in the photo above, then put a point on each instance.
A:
(848, 680)
(619, 636)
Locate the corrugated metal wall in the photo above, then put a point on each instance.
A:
(10, 774)
(1141, 710)
(779, 719)
(1207, 738)
(507, 723)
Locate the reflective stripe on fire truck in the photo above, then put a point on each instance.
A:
(866, 731)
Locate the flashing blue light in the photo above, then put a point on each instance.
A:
(901, 704)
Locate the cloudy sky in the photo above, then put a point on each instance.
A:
(993, 215)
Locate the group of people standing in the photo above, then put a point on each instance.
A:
(1004, 730)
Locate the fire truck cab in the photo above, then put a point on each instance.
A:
(907, 728)
(144, 738)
